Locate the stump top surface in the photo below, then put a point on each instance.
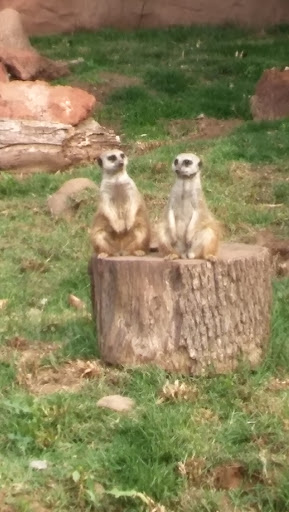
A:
(227, 252)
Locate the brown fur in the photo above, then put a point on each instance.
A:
(121, 224)
(188, 229)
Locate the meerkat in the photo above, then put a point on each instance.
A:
(121, 224)
(188, 229)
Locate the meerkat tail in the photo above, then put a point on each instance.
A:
(204, 244)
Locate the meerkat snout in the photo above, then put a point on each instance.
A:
(187, 165)
(112, 161)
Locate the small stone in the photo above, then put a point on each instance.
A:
(38, 464)
(117, 403)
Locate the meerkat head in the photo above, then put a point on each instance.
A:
(187, 165)
(112, 161)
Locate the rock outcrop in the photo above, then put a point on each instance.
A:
(271, 99)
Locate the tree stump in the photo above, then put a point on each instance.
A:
(188, 316)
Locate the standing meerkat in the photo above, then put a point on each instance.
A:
(121, 224)
(188, 229)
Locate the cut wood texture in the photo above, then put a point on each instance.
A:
(34, 146)
(187, 316)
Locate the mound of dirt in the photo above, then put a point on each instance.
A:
(202, 127)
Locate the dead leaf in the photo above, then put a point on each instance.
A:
(278, 384)
(194, 469)
(283, 268)
(88, 369)
(144, 147)
(18, 343)
(177, 391)
(3, 303)
(75, 302)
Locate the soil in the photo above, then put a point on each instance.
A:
(227, 476)
(202, 127)
(39, 375)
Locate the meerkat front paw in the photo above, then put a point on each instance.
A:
(119, 226)
(191, 255)
(172, 256)
(211, 257)
(139, 253)
(102, 255)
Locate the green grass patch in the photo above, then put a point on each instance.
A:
(97, 460)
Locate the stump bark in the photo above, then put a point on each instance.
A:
(187, 316)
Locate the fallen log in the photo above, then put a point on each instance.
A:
(44, 146)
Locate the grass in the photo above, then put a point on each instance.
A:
(241, 417)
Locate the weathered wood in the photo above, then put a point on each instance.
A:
(189, 316)
(36, 146)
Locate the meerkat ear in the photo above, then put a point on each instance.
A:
(200, 163)
(99, 161)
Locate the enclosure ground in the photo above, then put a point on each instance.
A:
(190, 444)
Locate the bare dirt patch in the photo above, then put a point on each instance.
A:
(227, 476)
(68, 377)
(202, 127)
(40, 374)
(4, 507)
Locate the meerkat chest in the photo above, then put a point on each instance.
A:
(121, 197)
(185, 204)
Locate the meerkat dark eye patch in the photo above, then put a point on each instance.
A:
(187, 163)
(176, 161)
(112, 158)
(122, 155)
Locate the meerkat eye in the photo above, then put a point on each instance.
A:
(187, 163)
(112, 158)
(176, 161)
(122, 155)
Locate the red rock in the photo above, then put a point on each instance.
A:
(271, 99)
(28, 64)
(12, 34)
(3, 73)
(52, 16)
(40, 101)
(18, 55)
